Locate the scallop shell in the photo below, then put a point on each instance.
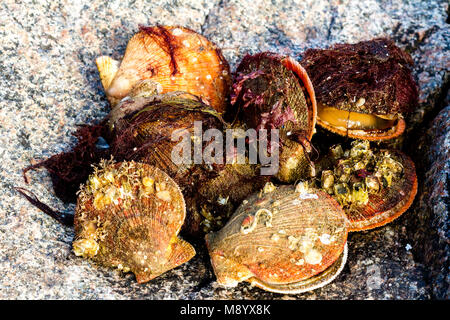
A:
(273, 91)
(386, 184)
(390, 203)
(176, 58)
(128, 216)
(286, 239)
(368, 81)
(371, 135)
(142, 131)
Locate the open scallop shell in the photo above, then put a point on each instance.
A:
(285, 239)
(274, 92)
(176, 59)
(128, 216)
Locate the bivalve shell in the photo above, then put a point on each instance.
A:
(286, 239)
(363, 90)
(128, 216)
(274, 92)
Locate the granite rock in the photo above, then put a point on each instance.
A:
(49, 84)
(429, 228)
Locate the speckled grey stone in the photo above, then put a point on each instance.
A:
(429, 226)
(49, 84)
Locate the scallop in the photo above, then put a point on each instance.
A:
(128, 216)
(274, 92)
(363, 90)
(174, 59)
(275, 240)
(154, 129)
(374, 186)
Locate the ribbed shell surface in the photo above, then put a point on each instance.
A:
(306, 234)
(178, 59)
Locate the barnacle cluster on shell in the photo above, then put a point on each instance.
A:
(142, 130)
(362, 89)
(128, 216)
(359, 172)
(374, 186)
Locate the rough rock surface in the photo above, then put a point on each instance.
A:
(429, 227)
(49, 84)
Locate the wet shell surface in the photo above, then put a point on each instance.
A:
(363, 89)
(373, 186)
(128, 216)
(274, 92)
(174, 59)
(286, 239)
(152, 129)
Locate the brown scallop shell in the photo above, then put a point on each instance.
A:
(128, 216)
(390, 203)
(286, 239)
(370, 77)
(274, 92)
(176, 59)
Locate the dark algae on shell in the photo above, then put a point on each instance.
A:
(271, 91)
(362, 89)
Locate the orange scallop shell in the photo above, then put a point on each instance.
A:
(282, 241)
(135, 230)
(274, 91)
(301, 73)
(177, 59)
(390, 203)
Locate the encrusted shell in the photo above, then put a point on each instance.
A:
(128, 216)
(274, 92)
(175, 59)
(362, 89)
(373, 186)
(283, 239)
(143, 130)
